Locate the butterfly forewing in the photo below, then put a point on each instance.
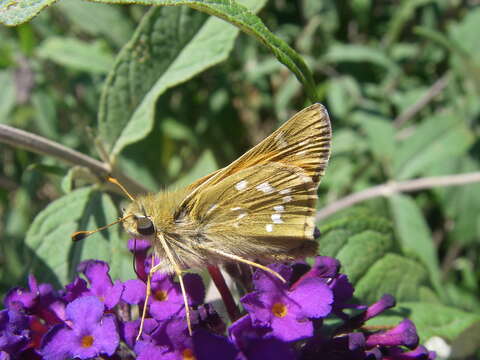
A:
(303, 141)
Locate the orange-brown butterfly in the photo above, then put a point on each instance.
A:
(260, 208)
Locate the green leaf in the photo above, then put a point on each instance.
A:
(170, 46)
(356, 223)
(360, 53)
(205, 165)
(45, 114)
(414, 235)
(107, 245)
(348, 141)
(55, 257)
(461, 329)
(401, 16)
(48, 236)
(15, 12)
(98, 19)
(228, 10)
(380, 135)
(7, 96)
(343, 95)
(463, 34)
(76, 54)
(240, 16)
(363, 243)
(436, 139)
(371, 245)
(460, 203)
(392, 274)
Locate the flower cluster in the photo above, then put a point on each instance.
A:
(312, 316)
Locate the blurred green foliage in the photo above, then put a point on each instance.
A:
(137, 87)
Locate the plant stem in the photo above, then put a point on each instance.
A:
(224, 291)
(40, 145)
(392, 188)
(432, 92)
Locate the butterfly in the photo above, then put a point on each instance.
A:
(259, 209)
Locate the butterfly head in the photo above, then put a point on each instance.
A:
(138, 223)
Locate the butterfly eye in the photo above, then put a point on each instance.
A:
(145, 226)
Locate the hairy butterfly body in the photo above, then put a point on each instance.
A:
(260, 208)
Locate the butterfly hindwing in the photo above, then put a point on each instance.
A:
(264, 211)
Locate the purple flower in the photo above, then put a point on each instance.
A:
(254, 344)
(386, 302)
(41, 300)
(204, 342)
(14, 331)
(169, 340)
(346, 347)
(327, 269)
(287, 312)
(87, 332)
(283, 321)
(404, 334)
(101, 284)
(166, 300)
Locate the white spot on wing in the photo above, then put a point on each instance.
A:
(284, 191)
(241, 216)
(242, 185)
(287, 198)
(213, 207)
(306, 179)
(236, 208)
(279, 208)
(277, 219)
(269, 227)
(265, 187)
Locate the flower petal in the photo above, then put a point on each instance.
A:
(134, 291)
(289, 328)
(260, 312)
(162, 310)
(113, 294)
(106, 336)
(264, 281)
(314, 297)
(208, 346)
(57, 343)
(85, 311)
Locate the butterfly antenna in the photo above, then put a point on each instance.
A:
(80, 235)
(115, 181)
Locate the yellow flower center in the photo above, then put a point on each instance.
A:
(187, 354)
(279, 310)
(161, 295)
(87, 341)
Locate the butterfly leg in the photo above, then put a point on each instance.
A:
(179, 273)
(152, 271)
(245, 261)
(185, 300)
(149, 293)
